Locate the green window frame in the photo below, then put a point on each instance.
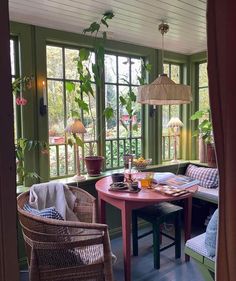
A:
(174, 72)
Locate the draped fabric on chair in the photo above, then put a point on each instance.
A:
(221, 23)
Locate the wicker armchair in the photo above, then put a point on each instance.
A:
(64, 250)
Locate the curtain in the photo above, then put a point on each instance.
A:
(221, 38)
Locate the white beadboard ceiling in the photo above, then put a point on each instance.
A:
(135, 21)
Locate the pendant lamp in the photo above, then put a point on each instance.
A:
(164, 91)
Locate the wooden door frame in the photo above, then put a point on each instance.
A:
(9, 270)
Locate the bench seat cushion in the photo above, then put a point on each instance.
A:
(207, 194)
(197, 244)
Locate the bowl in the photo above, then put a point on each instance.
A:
(141, 164)
(117, 177)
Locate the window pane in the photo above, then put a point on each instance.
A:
(203, 99)
(175, 73)
(123, 115)
(89, 119)
(136, 66)
(111, 100)
(55, 112)
(167, 69)
(12, 52)
(110, 69)
(123, 70)
(71, 104)
(54, 62)
(137, 118)
(203, 78)
(71, 64)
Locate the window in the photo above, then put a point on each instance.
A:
(121, 79)
(168, 111)
(61, 69)
(203, 87)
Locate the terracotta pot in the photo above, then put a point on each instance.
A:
(211, 157)
(94, 165)
(202, 151)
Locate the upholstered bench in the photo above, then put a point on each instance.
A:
(196, 249)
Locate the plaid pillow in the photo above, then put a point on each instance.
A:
(208, 177)
(50, 213)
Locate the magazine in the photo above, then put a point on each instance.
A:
(179, 181)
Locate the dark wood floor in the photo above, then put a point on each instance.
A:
(142, 266)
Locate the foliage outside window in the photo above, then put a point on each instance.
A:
(123, 134)
(168, 111)
(203, 87)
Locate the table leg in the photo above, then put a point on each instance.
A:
(187, 220)
(126, 231)
(101, 210)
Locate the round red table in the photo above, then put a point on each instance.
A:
(126, 202)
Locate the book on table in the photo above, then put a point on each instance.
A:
(179, 181)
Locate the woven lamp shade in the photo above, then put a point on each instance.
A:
(76, 127)
(164, 91)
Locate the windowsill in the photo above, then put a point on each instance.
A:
(71, 181)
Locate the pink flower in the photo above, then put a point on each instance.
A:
(21, 101)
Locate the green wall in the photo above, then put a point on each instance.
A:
(33, 40)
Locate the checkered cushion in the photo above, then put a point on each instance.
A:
(197, 244)
(50, 213)
(208, 177)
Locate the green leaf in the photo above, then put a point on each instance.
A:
(122, 101)
(70, 142)
(70, 86)
(135, 127)
(84, 54)
(82, 104)
(197, 115)
(108, 15)
(104, 22)
(78, 141)
(148, 67)
(94, 26)
(108, 112)
(132, 96)
(75, 114)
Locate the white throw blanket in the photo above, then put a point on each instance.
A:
(45, 195)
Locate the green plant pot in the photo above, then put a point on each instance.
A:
(94, 165)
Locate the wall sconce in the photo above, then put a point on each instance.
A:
(43, 100)
(152, 110)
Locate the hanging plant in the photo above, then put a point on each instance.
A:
(86, 75)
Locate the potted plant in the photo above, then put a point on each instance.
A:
(87, 75)
(205, 133)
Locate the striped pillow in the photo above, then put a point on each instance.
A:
(208, 177)
(50, 213)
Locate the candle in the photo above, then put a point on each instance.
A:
(129, 166)
(44, 94)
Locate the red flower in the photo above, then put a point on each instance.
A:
(21, 101)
